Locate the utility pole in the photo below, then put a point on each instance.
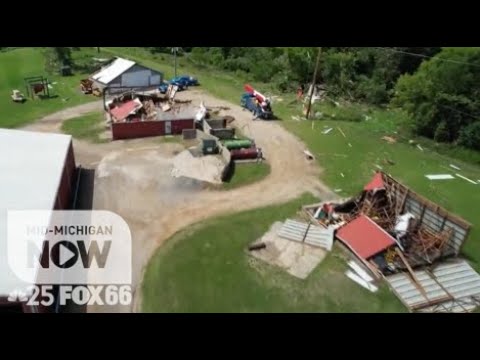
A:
(175, 50)
(313, 84)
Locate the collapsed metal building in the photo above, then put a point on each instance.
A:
(407, 240)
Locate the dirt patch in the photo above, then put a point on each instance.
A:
(203, 168)
(296, 258)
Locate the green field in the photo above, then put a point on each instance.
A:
(17, 64)
(206, 269)
(88, 127)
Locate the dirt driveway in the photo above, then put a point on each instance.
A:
(132, 180)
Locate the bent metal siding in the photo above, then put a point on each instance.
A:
(430, 215)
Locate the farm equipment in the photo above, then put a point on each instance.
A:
(17, 96)
(257, 103)
(86, 86)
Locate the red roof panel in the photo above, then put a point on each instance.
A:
(122, 111)
(364, 237)
(375, 183)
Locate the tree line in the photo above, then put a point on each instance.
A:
(437, 87)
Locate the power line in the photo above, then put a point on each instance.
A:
(427, 56)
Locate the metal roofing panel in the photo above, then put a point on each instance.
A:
(112, 71)
(410, 295)
(31, 167)
(293, 230)
(318, 236)
(456, 279)
(125, 109)
(364, 237)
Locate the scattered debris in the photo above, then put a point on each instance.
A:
(378, 167)
(455, 167)
(389, 162)
(325, 132)
(366, 117)
(339, 129)
(257, 246)
(465, 178)
(419, 147)
(350, 145)
(296, 118)
(338, 190)
(389, 139)
(341, 174)
(440, 177)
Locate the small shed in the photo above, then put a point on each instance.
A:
(123, 73)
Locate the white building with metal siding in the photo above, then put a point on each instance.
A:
(128, 74)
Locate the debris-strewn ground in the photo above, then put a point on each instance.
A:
(129, 181)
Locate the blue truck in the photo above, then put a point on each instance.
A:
(249, 102)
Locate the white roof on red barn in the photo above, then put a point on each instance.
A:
(113, 70)
(31, 167)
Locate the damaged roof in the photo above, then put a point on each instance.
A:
(364, 237)
(375, 183)
(122, 111)
(112, 71)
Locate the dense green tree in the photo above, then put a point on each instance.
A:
(442, 96)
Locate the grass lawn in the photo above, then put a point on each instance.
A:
(206, 268)
(247, 173)
(88, 127)
(17, 64)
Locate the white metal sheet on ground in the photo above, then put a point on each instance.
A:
(311, 235)
(361, 282)
(293, 230)
(410, 295)
(440, 177)
(319, 236)
(359, 270)
(455, 279)
(462, 282)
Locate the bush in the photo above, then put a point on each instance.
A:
(441, 133)
(470, 136)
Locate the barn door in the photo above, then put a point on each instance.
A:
(168, 127)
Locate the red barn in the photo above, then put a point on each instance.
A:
(171, 122)
(38, 172)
